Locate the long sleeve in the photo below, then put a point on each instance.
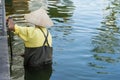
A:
(22, 32)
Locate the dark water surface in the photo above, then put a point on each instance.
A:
(86, 38)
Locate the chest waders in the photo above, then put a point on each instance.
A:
(38, 56)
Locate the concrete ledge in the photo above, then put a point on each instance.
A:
(4, 56)
(4, 60)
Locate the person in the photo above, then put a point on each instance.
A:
(38, 43)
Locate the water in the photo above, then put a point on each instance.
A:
(86, 38)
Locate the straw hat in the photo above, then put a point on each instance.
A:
(39, 18)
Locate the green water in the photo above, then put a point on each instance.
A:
(86, 38)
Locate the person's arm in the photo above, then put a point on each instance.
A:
(21, 31)
(11, 24)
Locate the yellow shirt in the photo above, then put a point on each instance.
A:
(32, 36)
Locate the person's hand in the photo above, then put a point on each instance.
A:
(10, 23)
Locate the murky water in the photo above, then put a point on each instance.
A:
(86, 38)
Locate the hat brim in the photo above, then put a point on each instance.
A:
(39, 18)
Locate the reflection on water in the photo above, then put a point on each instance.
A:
(107, 41)
(61, 12)
(17, 10)
(85, 38)
(36, 4)
(65, 10)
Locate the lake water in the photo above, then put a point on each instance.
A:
(86, 38)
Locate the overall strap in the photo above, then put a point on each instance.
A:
(46, 40)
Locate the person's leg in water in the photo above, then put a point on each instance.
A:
(41, 73)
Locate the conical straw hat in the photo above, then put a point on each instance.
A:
(39, 18)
